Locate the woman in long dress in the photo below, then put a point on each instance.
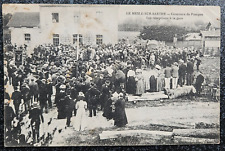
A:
(81, 105)
(120, 118)
(140, 87)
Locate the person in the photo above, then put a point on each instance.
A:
(140, 87)
(16, 97)
(190, 70)
(174, 72)
(160, 78)
(80, 106)
(105, 93)
(198, 83)
(33, 90)
(25, 91)
(107, 110)
(9, 116)
(36, 117)
(6, 95)
(120, 118)
(182, 73)
(131, 83)
(167, 76)
(15, 80)
(146, 75)
(61, 102)
(49, 92)
(198, 63)
(69, 104)
(92, 97)
(43, 95)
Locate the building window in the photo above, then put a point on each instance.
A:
(77, 37)
(99, 39)
(27, 37)
(55, 17)
(55, 39)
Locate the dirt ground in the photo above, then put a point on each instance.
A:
(158, 116)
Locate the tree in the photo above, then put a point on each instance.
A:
(6, 18)
(162, 33)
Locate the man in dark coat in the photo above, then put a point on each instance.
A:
(9, 116)
(92, 97)
(198, 63)
(190, 70)
(25, 91)
(49, 92)
(33, 90)
(61, 102)
(198, 83)
(36, 118)
(16, 97)
(182, 73)
(69, 107)
(105, 93)
(43, 95)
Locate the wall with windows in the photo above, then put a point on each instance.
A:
(28, 36)
(88, 25)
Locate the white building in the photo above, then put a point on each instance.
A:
(211, 41)
(65, 24)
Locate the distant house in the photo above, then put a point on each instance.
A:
(65, 24)
(25, 28)
(193, 37)
(211, 41)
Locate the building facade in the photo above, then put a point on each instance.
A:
(65, 24)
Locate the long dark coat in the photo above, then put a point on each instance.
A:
(120, 118)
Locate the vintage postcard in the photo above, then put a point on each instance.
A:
(111, 75)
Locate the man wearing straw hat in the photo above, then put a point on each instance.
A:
(36, 118)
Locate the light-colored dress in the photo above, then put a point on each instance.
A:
(80, 117)
(140, 86)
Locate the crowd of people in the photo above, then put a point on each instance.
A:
(92, 78)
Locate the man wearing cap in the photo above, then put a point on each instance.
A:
(92, 97)
(43, 95)
(61, 102)
(33, 90)
(36, 118)
(69, 107)
(16, 97)
(25, 91)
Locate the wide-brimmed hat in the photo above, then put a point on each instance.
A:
(175, 63)
(138, 71)
(158, 67)
(62, 86)
(81, 94)
(35, 105)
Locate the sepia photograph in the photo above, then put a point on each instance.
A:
(111, 75)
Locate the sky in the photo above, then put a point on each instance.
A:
(210, 13)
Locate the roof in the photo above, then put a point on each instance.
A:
(24, 19)
(193, 36)
(212, 33)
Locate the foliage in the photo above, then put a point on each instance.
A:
(162, 33)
